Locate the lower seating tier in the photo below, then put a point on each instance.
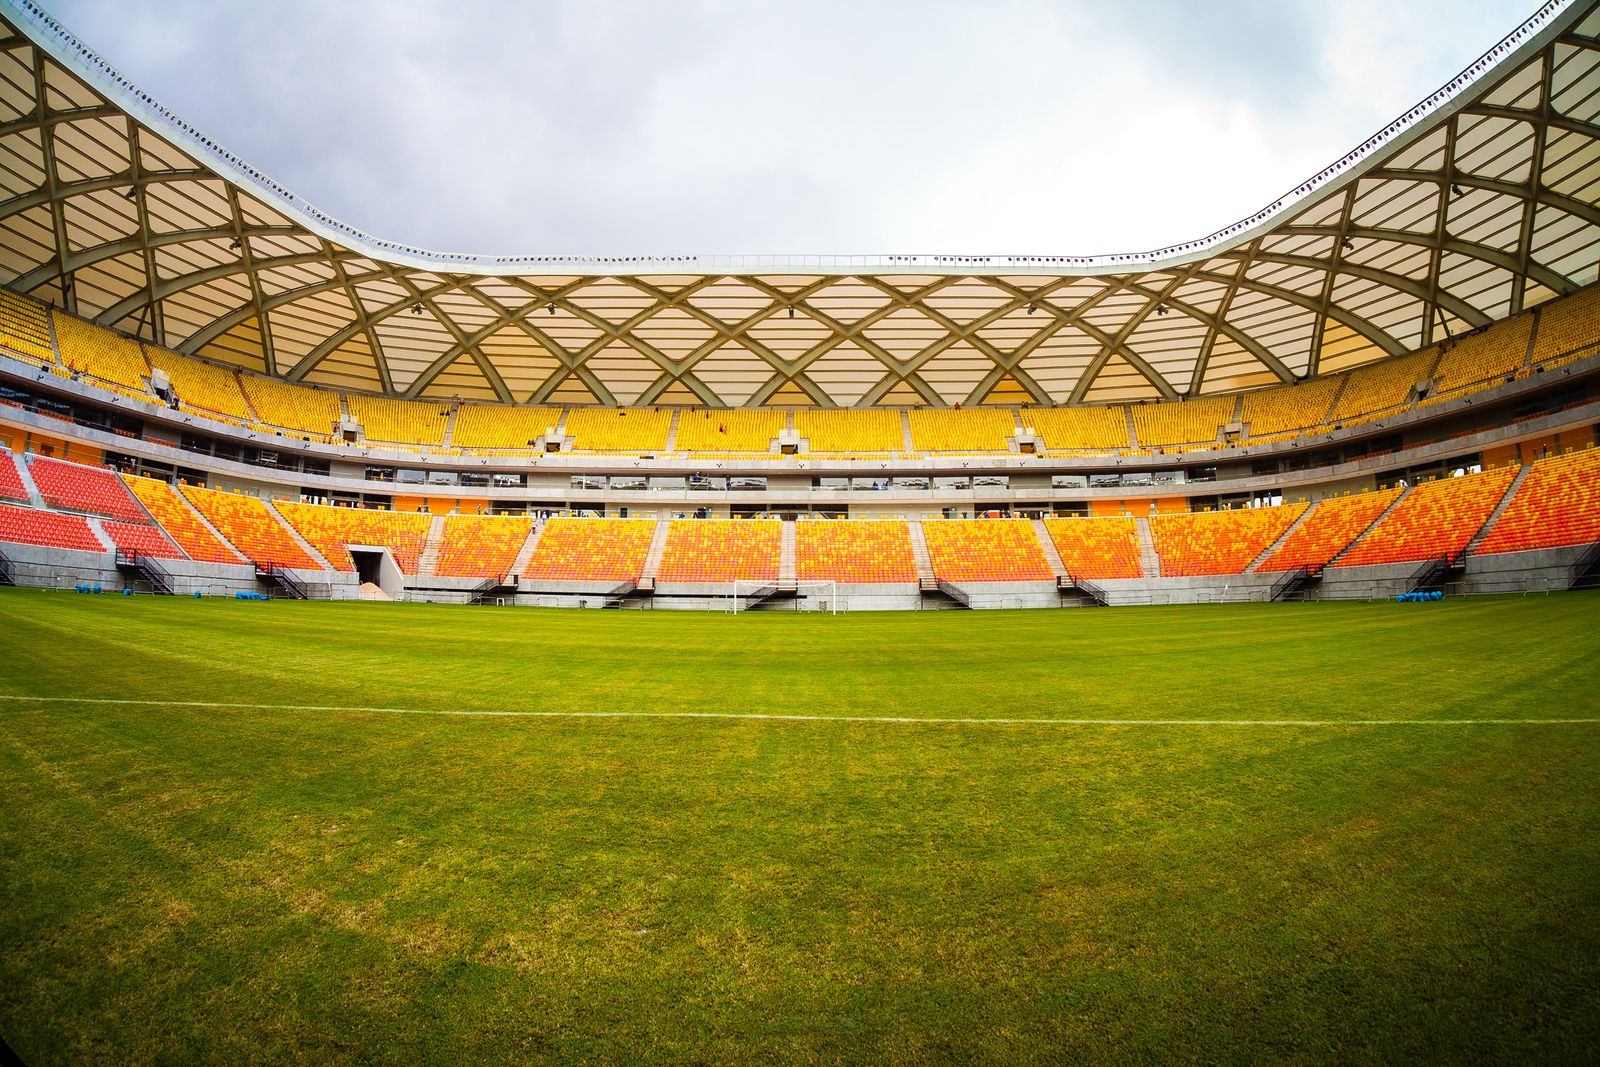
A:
(721, 550)
(1330, 528)
(27, 526)
(1557, 505)
(985, 550)
(591, 550)
(481, 546)
(331, 530)
(251, 527)
(1436, 519)
(854, 551)
(1218, 542)
(1097, 548)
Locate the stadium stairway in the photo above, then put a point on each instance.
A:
(1149, 558)
(919, 552)
(910, 446)
(447, 440)
(1356, 540)
(294, 535)
(1051, 556)
(428, 559)
(1266, 553)
(99, 531)
(1133, 431)
(1499, 510)
(786, 555)
(28, 483)
(672, 432)
(652, 559)
(519, 566)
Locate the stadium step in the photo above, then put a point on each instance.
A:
(100, 532)
(1356, 540)
(786, 567)
(919, 552)
(428, 560)
(28, 482)
(519, 567)
(905, 432)
(1266, 553)
(294, 535)
(448, 439)
(1149, 558)
(652, 559)
(672, 432)
(1133, 431)
(1499, 510)
(1057, 567)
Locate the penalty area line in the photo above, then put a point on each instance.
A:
(757, 716)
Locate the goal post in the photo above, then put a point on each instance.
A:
(744, 588)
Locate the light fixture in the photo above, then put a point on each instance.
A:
(1455, 190)
(1346, 243)
(1162, 309)
(236, 244)
(416, 309)
(1032, 307)
(551, 307)
(133, 191)
(791, 311)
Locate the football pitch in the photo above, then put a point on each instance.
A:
(241, 832)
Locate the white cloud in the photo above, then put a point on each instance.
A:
(708, 125)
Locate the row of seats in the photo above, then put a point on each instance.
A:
(11, 487)
(1330, 528)
(180, 521)
(1097, 548)
(598, 550)
(481, 546)
(142, 540)
(991, 550)
(1435, 519)
(251, 527)
(1557, 504)
(1568, 329)
(711, 551)
(29, 526)
(330, 530)
(856, 551)
(1218, 542)
(74, 487)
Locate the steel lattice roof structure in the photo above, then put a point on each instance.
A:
(1477, 203)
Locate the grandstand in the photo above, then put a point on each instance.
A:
(735, 817)
(1219, 542)
(860, 552)
(1097, 548)
(481, 546)
(700, 552)
(251, 528)
(993, 550)
(333, 530)
(601, 550)
(1435, 520)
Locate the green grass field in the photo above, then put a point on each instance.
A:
(213, 882)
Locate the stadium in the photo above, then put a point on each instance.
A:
(288, 780)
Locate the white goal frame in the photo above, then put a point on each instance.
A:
(752, 584)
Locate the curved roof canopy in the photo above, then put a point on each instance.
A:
(1476, 203)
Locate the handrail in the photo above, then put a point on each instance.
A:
(70, 51)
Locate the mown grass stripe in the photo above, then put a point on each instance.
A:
(781, 717)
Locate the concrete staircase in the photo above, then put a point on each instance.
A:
(448, 440)
(1356, 540)
(519, 566)
(919, 553)
(1057, 566)
(786, 566)
(905, 438)
(428, 561)
(672, 432)
(1499, 510)
(652, 558)
(27, 480)
(1266, 553)
(305, 546)
(1149, 558)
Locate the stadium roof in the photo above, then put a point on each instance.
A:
(1476, 203)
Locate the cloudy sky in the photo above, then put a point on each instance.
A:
(866, 126)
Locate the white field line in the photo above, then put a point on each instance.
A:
(776, 717)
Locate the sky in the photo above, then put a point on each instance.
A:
(605, 127)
